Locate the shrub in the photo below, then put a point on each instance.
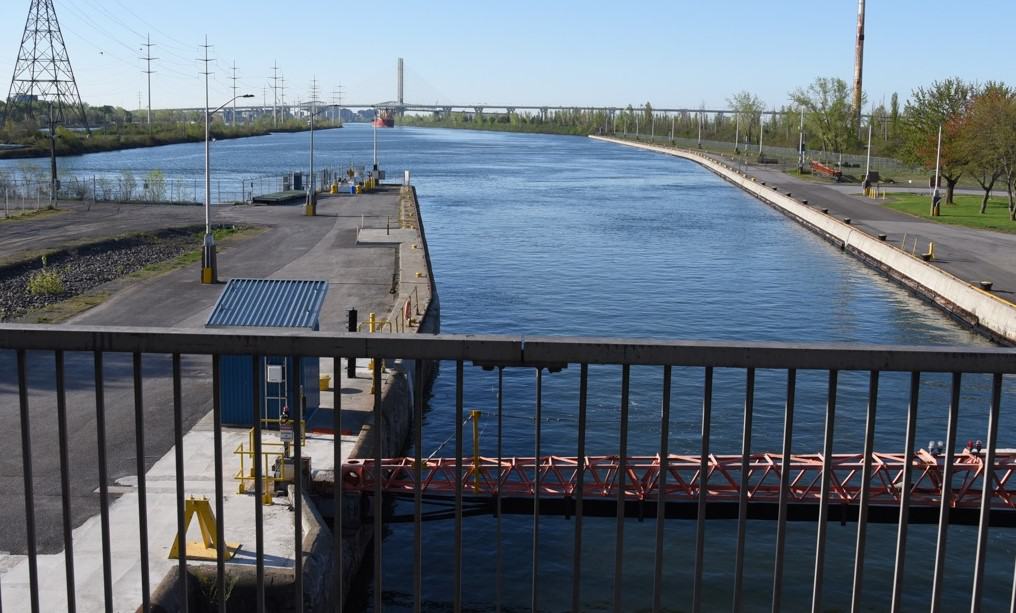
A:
(45, 282)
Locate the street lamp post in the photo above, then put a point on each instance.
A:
(209, 269)
(310, 208)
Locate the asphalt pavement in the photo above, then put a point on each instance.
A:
(292, 246)
(971, 254)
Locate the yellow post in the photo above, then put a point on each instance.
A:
(372, 323)
(475, 416)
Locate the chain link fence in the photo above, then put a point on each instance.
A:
(23, 193)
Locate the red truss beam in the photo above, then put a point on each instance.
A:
(516, 478)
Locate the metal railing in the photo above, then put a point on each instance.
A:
(493, 357)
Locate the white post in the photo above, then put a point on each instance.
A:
(867, 163)
(938, 160)
(737, 131)
(761, 124)
(700, 130)
(800, 145)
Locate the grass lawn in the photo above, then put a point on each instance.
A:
(964, 213)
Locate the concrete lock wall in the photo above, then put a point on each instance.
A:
(980, 309)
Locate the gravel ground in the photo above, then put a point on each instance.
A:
(89, 266)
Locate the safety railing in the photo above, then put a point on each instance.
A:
(83, 373)
(245, 452)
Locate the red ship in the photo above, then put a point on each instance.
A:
(385, 119)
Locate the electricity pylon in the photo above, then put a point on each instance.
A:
(43, 74)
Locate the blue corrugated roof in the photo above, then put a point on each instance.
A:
(269, 303)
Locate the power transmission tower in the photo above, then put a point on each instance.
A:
(275, 92)
(43, 71)
(233, 78)
(148, 58)
(282, 95)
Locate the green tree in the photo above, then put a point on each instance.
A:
(826, 104)
(983, 123)
(748, 109)
(941, 105)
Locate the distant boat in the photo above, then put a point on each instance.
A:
(385, 119)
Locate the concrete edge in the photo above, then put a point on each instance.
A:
(981, 310)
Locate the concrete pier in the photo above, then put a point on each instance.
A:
(964, 256)
(370, 248)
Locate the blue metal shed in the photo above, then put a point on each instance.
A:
(267, 303)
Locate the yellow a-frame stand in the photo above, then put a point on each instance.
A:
(205, 549)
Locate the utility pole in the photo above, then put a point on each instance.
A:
(700, 130)
(737, 131)
(858, 66)
(761, 125)
(148, 58)
(800, 146)
(275, 92)
(208, 267)
(233, 78)
(935, 197)
(311, 207)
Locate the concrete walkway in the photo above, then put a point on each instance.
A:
(199, 481)
(971, 254)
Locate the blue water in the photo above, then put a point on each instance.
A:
(547, 235)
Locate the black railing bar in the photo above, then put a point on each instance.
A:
(259, 521)
(742, 502)
(862, 511)
(622, 467)
(139, 445)
(703, 489)
(781, 522)
(298, 487)
(499, 559)
(823, 505)
(65, 487)
(26, 467)
(100, 431)
(661, 490)
(220, 501)
(378, 424)
(938, 577)
(508, 350)
(987, 490)
(417, 486)
(181, 533)
(579, 483)
(457, 589)
(340, 592)
(904, 522)
(803, 356)
(535, 590)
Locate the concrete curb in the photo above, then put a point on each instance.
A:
(977, 308)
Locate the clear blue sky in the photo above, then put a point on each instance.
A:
(676, 53)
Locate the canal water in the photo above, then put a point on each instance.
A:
(554, 235)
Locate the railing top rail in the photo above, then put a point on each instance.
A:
(511, 350)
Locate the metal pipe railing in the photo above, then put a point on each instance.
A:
(701, 479)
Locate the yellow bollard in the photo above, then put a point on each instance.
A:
(372, 323)
(475, 416)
